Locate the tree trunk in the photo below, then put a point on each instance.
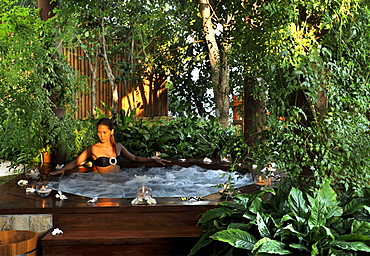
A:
(94, 66)
(220, 70)
(111, 76)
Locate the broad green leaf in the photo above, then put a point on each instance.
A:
(202, 242)
(297, 203)
(360, 227)
(262, 225)
(233, 206)
(354, 237)
(255, 205)
(215, 214)
(354, 205)
(352, 246)
(291, 228)
(326, 195)
(242, 199)
(318, 233)
(236, 237)
(287, 217)
(249, 216)
(324, 206)
(299, 246)
(259, 194)
(266, 245)
(241, 226)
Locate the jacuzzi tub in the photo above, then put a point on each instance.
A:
(174, 181)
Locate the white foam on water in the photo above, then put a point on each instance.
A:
(175, 181)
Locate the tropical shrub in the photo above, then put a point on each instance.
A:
(310, 65)
(290, 223)
(32, 70)
(180, 137)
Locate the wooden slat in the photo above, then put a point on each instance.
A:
(154, 104)
(123, 241)
(183, 217)
(175, 248)
(119, 235)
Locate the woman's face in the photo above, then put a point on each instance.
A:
(104, 133)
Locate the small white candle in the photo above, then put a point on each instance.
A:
(261, 181)
(32, 174)
(44, 191)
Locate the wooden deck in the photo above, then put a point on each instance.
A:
(112, 226)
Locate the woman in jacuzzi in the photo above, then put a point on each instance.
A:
(107, 154)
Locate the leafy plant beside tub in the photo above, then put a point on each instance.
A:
(292, 222)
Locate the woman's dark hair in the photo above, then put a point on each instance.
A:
(107, 122)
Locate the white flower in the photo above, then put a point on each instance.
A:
(151, 200)
(271, 169)
(30, 190)
(140, 200)
(207, 160)
(58, 167)
(93, 200)
(61, 196)
(57, 231)
(135, 201)
(23, 182)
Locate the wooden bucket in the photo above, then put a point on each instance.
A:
(18, 242)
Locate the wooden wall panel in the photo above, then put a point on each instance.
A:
(150, 98)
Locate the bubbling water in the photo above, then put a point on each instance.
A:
(175, 181)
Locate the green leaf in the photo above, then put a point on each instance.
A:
(241, 226)
(236, 237)
(297, 203)
(352, 246)
(299, 247)
(360, 227)
(324, 206)
(326, 195)
(215, 214)
(354, 205)
(262, 225)
(233, 206)
(256, 205)
(266, 245)
(292, 229)
(354, 237)
(202, 242)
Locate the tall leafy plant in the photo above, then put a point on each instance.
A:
(31, 70)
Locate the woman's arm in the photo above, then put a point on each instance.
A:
(127, 154)
(73, 164)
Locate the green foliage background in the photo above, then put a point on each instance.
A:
(286, 52)
(298, 49)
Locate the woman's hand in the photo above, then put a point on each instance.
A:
(161, 161)
(58, 172)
